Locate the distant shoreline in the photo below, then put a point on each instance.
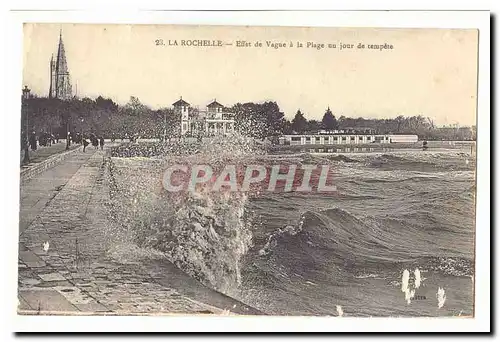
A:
(153, 147)
(378, 146)
(344, 146)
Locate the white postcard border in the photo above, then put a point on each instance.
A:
(440, 19)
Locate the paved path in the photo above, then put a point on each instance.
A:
(64, 262)
(37, 193)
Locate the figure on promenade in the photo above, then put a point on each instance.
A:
(95, 142)
(85, 143)
(42, 140)
(24, 142)
(101, 142)
(33, 141)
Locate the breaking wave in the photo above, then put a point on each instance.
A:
(203, 233)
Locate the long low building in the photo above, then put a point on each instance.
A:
(346, 139)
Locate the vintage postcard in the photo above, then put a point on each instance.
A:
(247, 170)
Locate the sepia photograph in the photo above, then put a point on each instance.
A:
(247, 170)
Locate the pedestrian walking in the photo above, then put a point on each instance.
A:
(33, 141)
(101, 143)
(85, 143)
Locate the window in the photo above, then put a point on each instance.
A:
(308, 138)
(295, 138)
(368, 138)
(344, 138)
(352, 138)
(318, 138)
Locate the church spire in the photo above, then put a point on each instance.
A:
(60, 85)
(51, 67)
(61, 56)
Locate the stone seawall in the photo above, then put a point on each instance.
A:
(33, 170)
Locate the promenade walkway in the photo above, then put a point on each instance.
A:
(44, 152)
(64, 263)
(39, 191)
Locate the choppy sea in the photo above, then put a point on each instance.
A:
(396, 239)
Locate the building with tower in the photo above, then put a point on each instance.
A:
(60, 82)
(213, 120)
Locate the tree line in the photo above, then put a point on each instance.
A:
(100, 117)
(422, 126)
(103, 117)
(266, 120)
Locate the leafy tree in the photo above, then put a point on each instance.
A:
(259, 120)
(329, 121)
(134, 106)
(106, 104)
(299, 122)
(274, 119)
(287, 127)
(314, 126)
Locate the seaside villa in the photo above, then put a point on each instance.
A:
(213, 120)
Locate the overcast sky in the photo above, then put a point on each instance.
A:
(428, 72)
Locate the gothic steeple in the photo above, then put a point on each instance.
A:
(52, 74)
(60, 83)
